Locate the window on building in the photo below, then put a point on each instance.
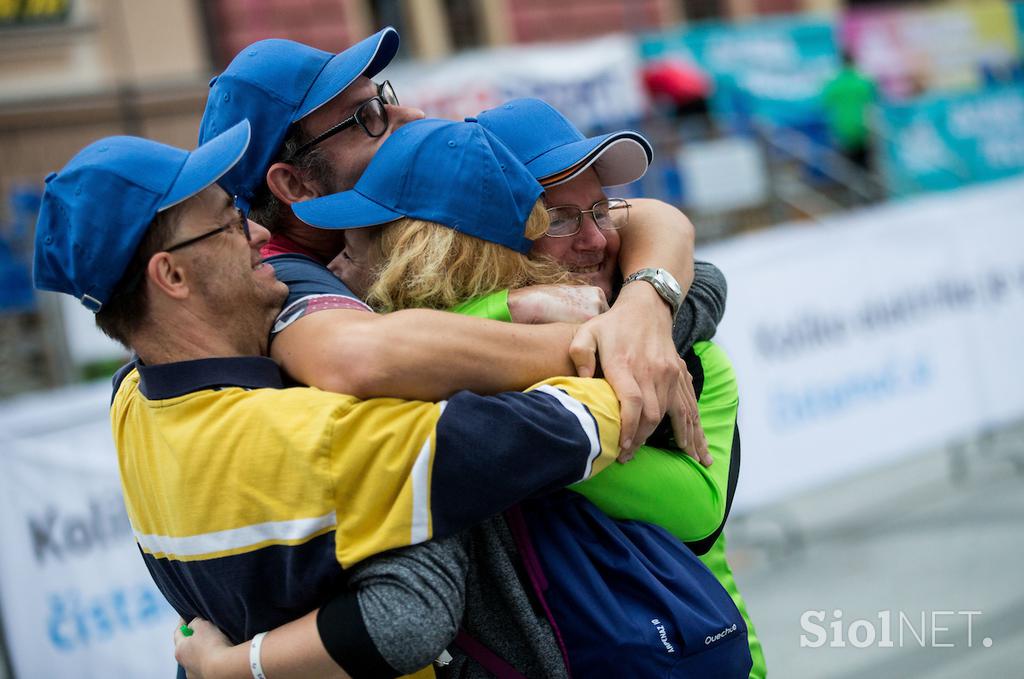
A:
(696, 10)
(869, 3)
(386, 13)
(777, 6)
(465, 23)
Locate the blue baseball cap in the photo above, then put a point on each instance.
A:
(556, 151)
(96, 210)
(274, 83)
(455, 174)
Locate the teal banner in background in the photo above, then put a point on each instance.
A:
(941, 143)
(774, 68)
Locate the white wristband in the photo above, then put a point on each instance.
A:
(254, 656)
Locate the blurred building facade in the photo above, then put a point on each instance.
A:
(93, 68)
(75, 70)
(72, 71)
(435, 28)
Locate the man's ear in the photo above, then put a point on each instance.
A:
(167, 276)
(289, 184)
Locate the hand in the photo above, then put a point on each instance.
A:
(199, 653)
(556, 303)
(639, 360)
(687, 429)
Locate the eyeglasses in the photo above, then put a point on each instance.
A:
(566, 220)
(240, 226)
(371, 115)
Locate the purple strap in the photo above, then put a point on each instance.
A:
(487, 658)
(531, 562)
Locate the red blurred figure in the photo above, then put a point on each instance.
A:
(680, 84)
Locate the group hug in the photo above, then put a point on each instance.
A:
(409, 396)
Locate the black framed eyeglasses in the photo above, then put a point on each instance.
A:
(610, 214)
(241, 226)
(371, 116)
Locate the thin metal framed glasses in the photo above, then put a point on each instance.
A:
(371, 116)
(241, 226)
(610, 214)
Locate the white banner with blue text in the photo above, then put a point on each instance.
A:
(75, 596)
(874, 334)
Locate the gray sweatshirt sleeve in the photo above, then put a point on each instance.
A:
(412, 600)
(702, 308)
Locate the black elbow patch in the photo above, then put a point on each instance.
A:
(702, 547)
(344, 635)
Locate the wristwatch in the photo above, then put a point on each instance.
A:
(663, 282)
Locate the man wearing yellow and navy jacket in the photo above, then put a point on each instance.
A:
(249, 497)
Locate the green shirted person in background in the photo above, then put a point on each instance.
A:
(847, 99)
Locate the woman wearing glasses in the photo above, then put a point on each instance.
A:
(448, 261)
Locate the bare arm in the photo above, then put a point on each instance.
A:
(419, 354)
(429, 355)
(292, 650)
(410, 604)
(660, 236)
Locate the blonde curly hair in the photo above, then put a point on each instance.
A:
(429, 265)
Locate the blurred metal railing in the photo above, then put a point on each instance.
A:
(861, 185)
(807, 177)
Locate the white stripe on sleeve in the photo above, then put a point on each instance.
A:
(421, 490)
(585, 419)
(235, 538)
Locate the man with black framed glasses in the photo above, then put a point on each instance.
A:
(371, 116)
(302, 104)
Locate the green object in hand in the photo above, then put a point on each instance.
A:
(186, 630)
